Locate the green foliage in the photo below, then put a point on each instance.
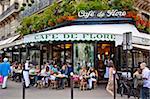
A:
(64, 8)
(122, 4)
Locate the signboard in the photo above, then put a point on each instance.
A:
(68, 37)
(101, 14)
(127, 41)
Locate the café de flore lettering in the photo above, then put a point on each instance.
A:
(71, 36)
(101, 14)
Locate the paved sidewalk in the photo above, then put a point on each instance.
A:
(14, 91)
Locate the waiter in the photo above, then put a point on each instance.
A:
(26, 74)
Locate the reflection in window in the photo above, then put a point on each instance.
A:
(35, 56)
(84, 55)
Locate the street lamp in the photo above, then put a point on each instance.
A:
(10, 48)
(16, 47)
(23, 46)
(5, 49)
(32, 44)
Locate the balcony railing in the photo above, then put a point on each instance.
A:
(37, 6)
(9, 11)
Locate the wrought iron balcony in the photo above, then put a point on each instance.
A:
(37, 6)
(10, 10)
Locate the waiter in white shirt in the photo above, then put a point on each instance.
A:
(26, 74)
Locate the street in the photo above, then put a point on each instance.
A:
(14, 91)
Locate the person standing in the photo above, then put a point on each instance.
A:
(26, 74)
(145, 92)
(110, 85)
(4, 71)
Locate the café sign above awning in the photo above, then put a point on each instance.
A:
(101, 14)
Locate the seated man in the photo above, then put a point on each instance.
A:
(63, 75)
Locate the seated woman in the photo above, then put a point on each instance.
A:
(37, 73)
(93, 75)
(83, 78)
(32, 75)
(19, 72)
(76, 80)
(46, 76)
(14, 70)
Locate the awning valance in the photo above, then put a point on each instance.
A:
(17, 42)
(9, 40)
(141, 46)
(101, 32)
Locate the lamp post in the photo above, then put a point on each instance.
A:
(114, 79)
(23, 80)
(71, 84)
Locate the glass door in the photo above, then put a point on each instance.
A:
(105, 51)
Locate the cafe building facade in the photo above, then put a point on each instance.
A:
(88, 41)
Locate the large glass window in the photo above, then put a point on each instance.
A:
(35, 56)
(23, 56)
(62, 53)
(16, 56)
(83, 55)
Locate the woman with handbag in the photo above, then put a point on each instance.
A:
(4, 71)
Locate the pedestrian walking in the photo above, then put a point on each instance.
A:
(4, 72)
(110, 85)
(145, 91)
(26, 74)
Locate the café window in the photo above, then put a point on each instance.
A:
(83, 55)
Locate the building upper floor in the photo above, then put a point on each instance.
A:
(12, 11)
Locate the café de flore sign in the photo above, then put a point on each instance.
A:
(68, 37)
(101, 14)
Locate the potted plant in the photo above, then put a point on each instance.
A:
(51, 23)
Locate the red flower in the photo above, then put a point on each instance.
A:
(71, 18)
(143, 22)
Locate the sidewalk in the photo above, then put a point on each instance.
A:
(14, 91)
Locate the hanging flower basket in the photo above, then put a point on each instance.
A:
(71, 18)
(141, 24)
(50, 23)
(60, 20)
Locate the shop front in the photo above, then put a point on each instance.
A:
(84, 45)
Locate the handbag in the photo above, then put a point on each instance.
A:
(1, 79)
